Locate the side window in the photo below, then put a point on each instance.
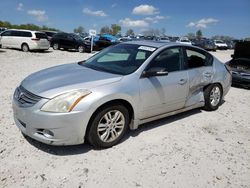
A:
(169, 59)
(6, 33)
(26, 34)
(15, 33)
(197, 59)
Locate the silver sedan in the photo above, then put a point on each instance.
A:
(117, 89)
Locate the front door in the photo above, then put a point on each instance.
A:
(162, 94)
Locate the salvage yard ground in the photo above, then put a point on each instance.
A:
(193, 149)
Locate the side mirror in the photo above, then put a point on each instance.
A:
(232, 56)
(156, 71)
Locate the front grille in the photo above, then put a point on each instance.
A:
(25, 98)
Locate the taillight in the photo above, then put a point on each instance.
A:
(35, 39)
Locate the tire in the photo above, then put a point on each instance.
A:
(81, 49)
(55, 46)
(103, 133)
(213, 97)
(25, 48)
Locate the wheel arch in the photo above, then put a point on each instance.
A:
(123, 102)
(212, 84)
(25, 43)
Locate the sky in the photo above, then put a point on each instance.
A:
(177, 17)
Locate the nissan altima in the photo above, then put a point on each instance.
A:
(119, 88)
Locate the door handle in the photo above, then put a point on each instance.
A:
(182, 81)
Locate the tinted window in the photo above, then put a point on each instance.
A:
(60, 35)
(15, 33)
(50, 34)
(41, 35)
(6, 33)
(196, 58)
(26, 34)
(168, 59)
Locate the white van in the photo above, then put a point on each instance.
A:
(25, 40)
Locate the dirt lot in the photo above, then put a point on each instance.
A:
(194, 149)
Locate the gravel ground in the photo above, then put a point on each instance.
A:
(193, 149)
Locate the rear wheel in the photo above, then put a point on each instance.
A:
(213, 96)
(108, 126)
(25, 48)
(55, 46)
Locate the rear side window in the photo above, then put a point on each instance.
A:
(25, 34)
(196, 58)
(41, 35)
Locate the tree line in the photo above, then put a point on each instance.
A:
(28, 26)
(114, 29)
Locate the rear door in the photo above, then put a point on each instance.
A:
(199, 65)
(162, 94)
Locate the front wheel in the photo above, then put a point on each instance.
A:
(213, 97)
(55, 46)
(108, 126)
(81, 49)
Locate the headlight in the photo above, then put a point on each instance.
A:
(65, 102)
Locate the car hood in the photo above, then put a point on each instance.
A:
(51, 82)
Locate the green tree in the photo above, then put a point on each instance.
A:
(199, 34)
(130, 32)
(79, 29)
(190, 36)
(115, 29)
(25, 26)
(105, 30)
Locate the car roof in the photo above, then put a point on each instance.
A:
(156, 44)
(23, 30)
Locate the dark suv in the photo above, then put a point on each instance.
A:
(69, 41)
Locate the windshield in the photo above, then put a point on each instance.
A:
(121, 59)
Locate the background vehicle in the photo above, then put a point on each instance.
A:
(69, 41)
(206, 44)
(164, 39)
(104, 41)
(25, 40)
(184, 40)
(94, 100)
(240, 64)
(50, 34)
(220, 44)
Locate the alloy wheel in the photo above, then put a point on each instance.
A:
(111, 126)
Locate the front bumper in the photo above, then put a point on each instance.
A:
(65, 128)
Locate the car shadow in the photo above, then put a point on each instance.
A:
(240, 86)
(157, 123)
(60, 150)
(84, 148)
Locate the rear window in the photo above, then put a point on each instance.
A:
(50, 34)
(41, 35)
